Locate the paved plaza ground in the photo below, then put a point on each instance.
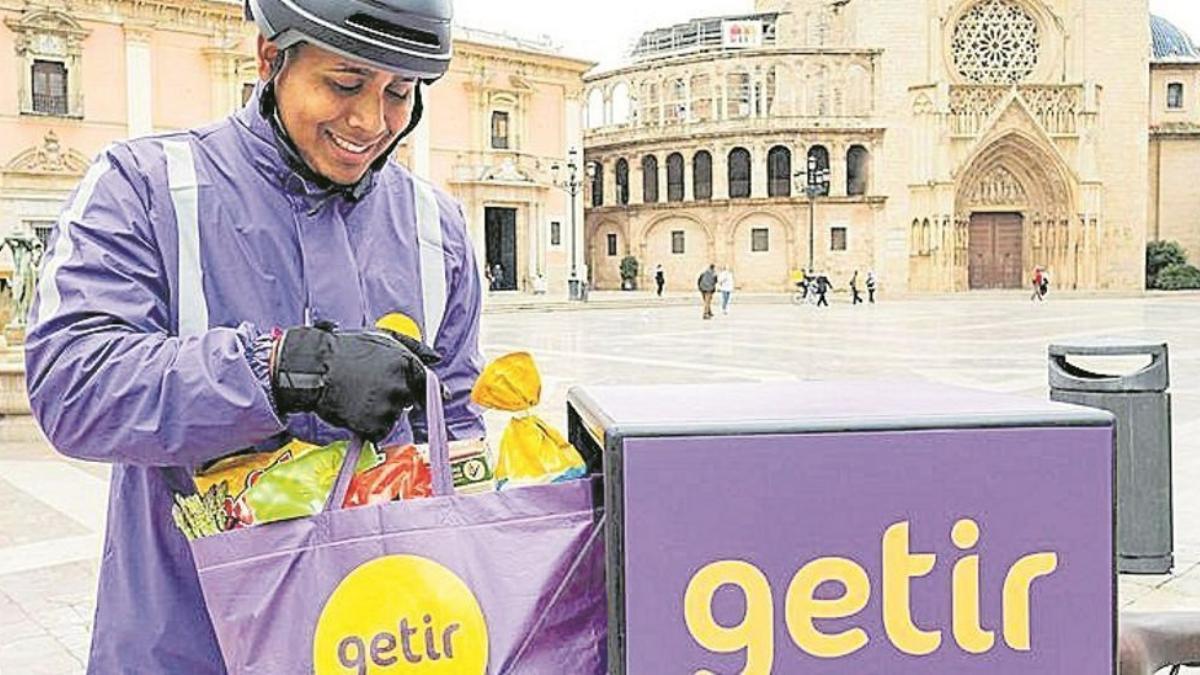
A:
(52, 510)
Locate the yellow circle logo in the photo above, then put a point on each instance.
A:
(401, 614)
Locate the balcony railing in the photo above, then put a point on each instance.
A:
(50, 104)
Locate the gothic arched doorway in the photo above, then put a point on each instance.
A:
(1011, 201)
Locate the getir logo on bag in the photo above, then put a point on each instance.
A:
(401, 614)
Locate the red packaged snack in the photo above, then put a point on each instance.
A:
(404, 474)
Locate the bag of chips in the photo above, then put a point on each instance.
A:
(229, 478)
(531, 451)
(300, 487)
(404, 474)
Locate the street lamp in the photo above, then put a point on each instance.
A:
(816, 181)
(572, 184)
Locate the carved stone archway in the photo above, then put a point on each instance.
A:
(1017, 174)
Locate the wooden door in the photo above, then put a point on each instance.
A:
(995, 250)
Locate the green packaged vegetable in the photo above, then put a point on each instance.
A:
(299, 488)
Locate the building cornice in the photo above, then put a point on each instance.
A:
(1184, 130)
(632, 210)
(739, 132)
(731, 57)
(1175, 65)
(197, 16)
(573, 66)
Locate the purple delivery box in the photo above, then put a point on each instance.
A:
(853, 527)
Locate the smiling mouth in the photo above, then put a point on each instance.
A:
(352, 148)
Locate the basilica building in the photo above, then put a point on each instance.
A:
(946, 145)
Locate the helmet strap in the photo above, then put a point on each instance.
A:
(269, 109)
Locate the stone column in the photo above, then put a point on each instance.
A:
(689, 192)
(662, 177)
(636, 194)
(837, 169)
(533, 237)
(720, 172)
(609, 166)
(758, 170)
(139, 98)
(663, 102)
(722, 84)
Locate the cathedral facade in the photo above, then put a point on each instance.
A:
(946, 145)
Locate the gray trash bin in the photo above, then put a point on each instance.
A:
(1142, 406)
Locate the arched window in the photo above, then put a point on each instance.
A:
(598, 184)
(675, 177)
(738, 90)
(650, 179)
(739, 173)
(702, 176)
(779, 172)
(858, 162)
(817, 85)
(621, 105)
(622, 181)
(702, 98)
(651, 105)
(677, 104)
(818, 166)
(767, 95)
(595, 109)
(858, 90)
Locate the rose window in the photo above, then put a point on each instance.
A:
(996, 42)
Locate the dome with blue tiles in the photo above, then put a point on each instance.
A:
(1171, 43)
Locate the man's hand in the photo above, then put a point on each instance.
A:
(361, 381)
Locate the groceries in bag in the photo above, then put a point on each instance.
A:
(232, 476)
(403, 474)
(300, 487)
(531, 451)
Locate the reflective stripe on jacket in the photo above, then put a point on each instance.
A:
(173, 255)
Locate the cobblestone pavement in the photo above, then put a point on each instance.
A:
(52, 509)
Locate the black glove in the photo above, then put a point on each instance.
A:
(361, 381)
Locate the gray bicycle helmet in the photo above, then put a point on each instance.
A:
(407, 37)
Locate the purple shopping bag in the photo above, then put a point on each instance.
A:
(498, 583)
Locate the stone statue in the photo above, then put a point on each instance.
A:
(27, 259)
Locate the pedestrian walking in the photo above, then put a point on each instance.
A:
(156, 350)
(856, 297)
(497, 277)
(872, 284)
(707, 283)
(822, 288)
(660, 279)
(725, 287)
(1039, 286)
(491, 279)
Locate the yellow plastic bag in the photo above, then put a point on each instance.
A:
(531, 451)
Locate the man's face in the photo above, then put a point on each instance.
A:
(341, 114)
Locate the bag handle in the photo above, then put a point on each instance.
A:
(439, 449)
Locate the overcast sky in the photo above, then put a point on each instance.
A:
(602, 31)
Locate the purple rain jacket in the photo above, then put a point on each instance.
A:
(172, 257)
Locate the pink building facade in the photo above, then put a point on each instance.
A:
(84, 73)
